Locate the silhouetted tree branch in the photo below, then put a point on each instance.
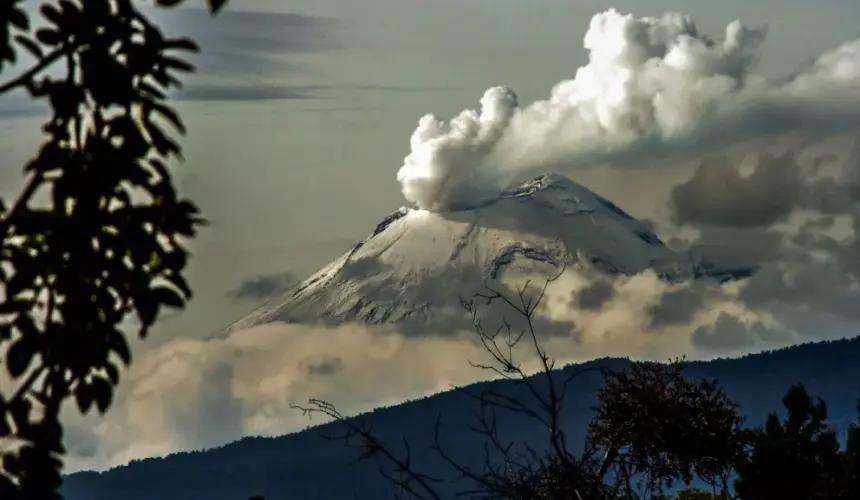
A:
(356, 434)
(98, 233)
(505, 474)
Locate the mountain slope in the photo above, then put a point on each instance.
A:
(414, 266)
(304, 466)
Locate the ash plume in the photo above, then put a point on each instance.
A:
(651, 84)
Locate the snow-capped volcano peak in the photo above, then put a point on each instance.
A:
(416, 262)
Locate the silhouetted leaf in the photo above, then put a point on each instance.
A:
(84, 397)
(167, 296)
(20, 355)
(112, 373)
(167, 3)
(91, 241)
(147, 309)
(177, 64)
(49, 37)
(31, 46)
(52, 13)
(215, 6)
(185, 44)
(18, 18)
(102, 393)
(166, 112)
(5, 332)
(119, 345)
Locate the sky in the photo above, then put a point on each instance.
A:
(300, 118)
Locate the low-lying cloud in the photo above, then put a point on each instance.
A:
(191, 394)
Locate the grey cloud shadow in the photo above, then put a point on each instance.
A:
(717, 194)
(677, 307)
(258, 91)
(233, 33)
(323, 366)
(729, 333)
(245, 92)
(371, 87)
(244, 54)
(262, 287)
(594, 296)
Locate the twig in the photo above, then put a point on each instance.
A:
(35, 70)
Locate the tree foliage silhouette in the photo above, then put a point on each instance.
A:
(97, 236)
(683, 428)
(801, 456)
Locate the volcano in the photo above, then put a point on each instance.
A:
(416, 265)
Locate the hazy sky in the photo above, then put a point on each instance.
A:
(299, 119)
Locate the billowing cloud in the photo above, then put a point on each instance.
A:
(652, 85)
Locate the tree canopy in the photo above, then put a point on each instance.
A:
(97, 238)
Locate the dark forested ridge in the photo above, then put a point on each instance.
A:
(304, 466)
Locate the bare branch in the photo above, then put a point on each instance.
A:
(403, 476)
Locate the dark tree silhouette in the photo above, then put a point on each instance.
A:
(851, 460)
(97, 234)
(799, 457)
(653, 421)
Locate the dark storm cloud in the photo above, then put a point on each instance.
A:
(727, 246)
(676, 307)
(263, 287)
(719, 195)
(725, 334)
(594, 296)
(809, 280)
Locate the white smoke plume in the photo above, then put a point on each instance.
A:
(650, 82)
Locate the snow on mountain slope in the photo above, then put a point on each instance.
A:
(416, 264)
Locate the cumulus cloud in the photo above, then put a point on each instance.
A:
(652, 84)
